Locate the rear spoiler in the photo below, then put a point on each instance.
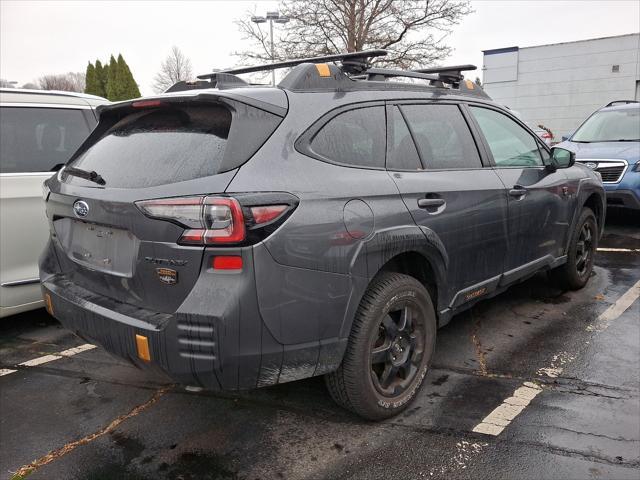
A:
(274, 101)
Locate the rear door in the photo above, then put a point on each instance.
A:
(437, 167)
(176, 151)
(539, 206)
(35, 140)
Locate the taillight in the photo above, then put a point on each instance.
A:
(217, 220)
(209, 220)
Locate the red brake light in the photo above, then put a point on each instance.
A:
(147, 104)
(227, 263)
(267, 213)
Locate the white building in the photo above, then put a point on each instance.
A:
(559, 85)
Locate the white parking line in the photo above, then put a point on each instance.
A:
(503, 415)
(606, 249)
(615, 310)
(49, 358)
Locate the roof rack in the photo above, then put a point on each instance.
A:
(451, 74)
(620, 102)
(345, 71)
(354, 62)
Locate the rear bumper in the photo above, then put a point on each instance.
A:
(217, 339)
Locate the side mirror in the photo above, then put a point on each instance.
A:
(562, 158)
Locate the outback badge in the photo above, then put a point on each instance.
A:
(167, 275)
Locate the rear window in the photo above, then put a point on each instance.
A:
(34, 139)
(175, 143)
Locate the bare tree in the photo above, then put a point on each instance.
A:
(175, 68)
(69, 82)
(30, 86)
(412, 30)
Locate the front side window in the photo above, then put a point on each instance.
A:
(34, 139)
(510, 144)
(442, 136)
(610, 126)
(356, 137)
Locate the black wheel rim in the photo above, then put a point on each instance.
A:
(584, 250)
(397, 351)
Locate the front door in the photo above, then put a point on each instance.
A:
(538, 198)
(435, 163)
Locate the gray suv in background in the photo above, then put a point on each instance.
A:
(239, 236)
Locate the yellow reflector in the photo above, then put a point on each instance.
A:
(142, 344)
(323, 69)
(470, 84)
(48, 303)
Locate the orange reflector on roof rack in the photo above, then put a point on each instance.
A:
(470, 84)
(142, 345)
(323, 69)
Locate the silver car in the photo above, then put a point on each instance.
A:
(39, 131)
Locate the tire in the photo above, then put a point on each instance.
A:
(389, 349)
(575, 273)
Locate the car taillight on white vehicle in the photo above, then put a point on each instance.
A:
(216, 220)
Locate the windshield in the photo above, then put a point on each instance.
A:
(610, 126)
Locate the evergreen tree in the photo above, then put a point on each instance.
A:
(101, 79)
(114, 83)
(129, 85)
(91, 85)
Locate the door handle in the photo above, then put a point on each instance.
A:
(430, 202)
(518, 191)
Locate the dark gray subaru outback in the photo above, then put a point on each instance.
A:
(239, 236)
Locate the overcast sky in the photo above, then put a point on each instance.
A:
(39, 38)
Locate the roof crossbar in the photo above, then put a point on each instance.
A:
(382, 73)
(451, 74)
(354, 62)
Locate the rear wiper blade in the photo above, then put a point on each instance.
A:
(92, 176)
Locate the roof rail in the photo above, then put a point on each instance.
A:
(354, 62)
(61, 93)
(620, 102)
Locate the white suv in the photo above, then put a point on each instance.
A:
(39, 131)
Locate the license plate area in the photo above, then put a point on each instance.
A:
(98, 247)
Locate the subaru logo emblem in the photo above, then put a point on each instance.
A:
(592, 165)
(80, 208)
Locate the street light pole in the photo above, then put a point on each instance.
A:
(272, 17)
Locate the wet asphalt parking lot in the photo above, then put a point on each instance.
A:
(535, 383)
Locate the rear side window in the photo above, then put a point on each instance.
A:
(355, 137)
(511, 145)
(403, 154)
(34, 139)
(442, 136)
(175, 143)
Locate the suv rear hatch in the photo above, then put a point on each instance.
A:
(120, 232)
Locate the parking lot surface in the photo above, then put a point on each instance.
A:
(535, 383)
